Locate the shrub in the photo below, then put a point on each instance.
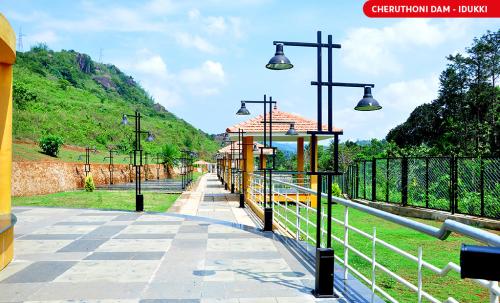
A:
(89, 183)
(50, 144)
(336, 191)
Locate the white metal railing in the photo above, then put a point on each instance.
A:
(293, 212)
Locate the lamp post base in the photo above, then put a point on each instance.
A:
(139, 202)
(232, 188)
(324, 273)
(242, 200)
(268, 219)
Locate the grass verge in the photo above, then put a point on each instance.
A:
(100, 199)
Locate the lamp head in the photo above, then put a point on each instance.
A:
(150, 137)
(124, 120)
(291, 131)
(279, 61)
(368, 103)
(243, 111)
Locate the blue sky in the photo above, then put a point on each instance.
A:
(200, 58)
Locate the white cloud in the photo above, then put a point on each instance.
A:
(406, 95)
(215, 25)
(152, 65)
(194, 14)
(374, 50)
(204, 80)
(47, 36)
(197, 42)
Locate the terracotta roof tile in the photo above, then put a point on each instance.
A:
(255, 125)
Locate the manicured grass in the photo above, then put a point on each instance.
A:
(435, 251)
(120, 200)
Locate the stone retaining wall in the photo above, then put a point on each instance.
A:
(39, 178)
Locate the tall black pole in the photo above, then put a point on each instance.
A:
(139, 198)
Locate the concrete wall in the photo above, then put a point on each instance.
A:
(38, 178)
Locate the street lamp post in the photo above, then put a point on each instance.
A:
(158, 166)
(268, 210)
(242, 157)
(111, 165)
(324, 256)
(139, 198)
(86, 167)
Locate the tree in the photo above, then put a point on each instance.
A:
(169, 156)
(465, 118)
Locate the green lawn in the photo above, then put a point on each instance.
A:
(435, 251)
(120, 200)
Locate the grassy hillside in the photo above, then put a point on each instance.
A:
(66, 93)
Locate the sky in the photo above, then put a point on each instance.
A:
(200, 58)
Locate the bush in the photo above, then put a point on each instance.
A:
(336, 191)
(89, 183)
(50, 144)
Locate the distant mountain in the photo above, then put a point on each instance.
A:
(68, 94)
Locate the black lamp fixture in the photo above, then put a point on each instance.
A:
(279, 61)
(368, 103)
(243, 111)
(291, 131)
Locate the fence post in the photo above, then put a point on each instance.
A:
(404, 181)
(374, 179)
(481, 184)
(356, 191)
(364, 179)
(387, 181)
(452, 184)
(426, 182)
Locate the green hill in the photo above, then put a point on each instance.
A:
(68, 94)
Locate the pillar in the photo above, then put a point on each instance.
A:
(300, 159)
(314, 179)
(7, 58)
(263, 160)
(229, 171)
(248, 154)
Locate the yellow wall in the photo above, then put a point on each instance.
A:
(314, 179)
(300, 159)
(7, 58)
(248, 154)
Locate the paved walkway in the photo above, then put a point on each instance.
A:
(206, 251)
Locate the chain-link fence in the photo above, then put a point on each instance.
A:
(455, 184)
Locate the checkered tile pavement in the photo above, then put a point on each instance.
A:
(79, 255)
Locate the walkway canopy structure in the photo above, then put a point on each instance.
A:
(253, 130)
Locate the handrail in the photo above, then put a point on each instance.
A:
(440, 233)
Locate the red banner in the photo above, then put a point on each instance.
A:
(432, 8)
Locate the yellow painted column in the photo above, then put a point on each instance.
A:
(314, 179)
(248, 154)
(300, 159)
(263, 161)
(7, 59)
(229, 171)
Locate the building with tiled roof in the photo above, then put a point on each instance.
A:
(255, 126)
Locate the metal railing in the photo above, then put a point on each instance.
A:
(292, 210)
(462, 185)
